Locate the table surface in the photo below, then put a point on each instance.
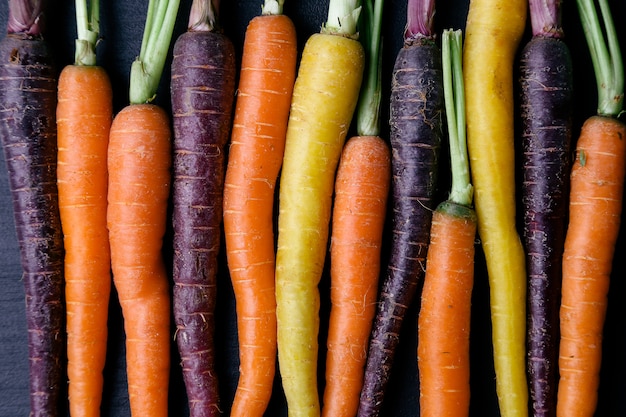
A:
(121, 28)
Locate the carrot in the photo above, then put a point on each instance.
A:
(358, 217)
(268, 72)
(84, 115)
(324, 99)
(493, 31)
(139, 160)
(416, 130)
(28, 95)
(546, 113)
(595, 204)
(202, 91)
(444, 316)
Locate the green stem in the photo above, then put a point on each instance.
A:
(343, 18)
(368, 114)
(273, 7)
(461, 191)
(146, 70)
(88, 30)
(605, 56)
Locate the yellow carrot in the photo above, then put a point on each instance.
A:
(493, 31)
(325, 96)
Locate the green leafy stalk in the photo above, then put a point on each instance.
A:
(146, 70)
(273, 7)
(368, 114)
(605, 55)
(343, 18)
(88, 31)
(454, 92)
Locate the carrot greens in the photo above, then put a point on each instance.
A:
(146, 70)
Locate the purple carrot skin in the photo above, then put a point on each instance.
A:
(28, 93)
(202, 90)
(416, 117)
(546, 108)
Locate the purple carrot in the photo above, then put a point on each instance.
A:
(203, 90)
(416, 117)
(546, 112)
(28, 93)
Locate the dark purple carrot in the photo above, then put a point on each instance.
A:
(203, 90)
(28, 94)
(546, 112)
(416, 117)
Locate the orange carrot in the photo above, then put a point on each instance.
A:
(361, 191)
(84, 114)
(597, 183)
(267, 77)
(596, 193)
(139, 161)
(444, 317)
(139, 182)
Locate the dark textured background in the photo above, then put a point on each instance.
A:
(121, 28)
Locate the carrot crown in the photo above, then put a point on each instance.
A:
(605, 55)
(368, 113)
(452, 51)
(203, 15)
(146, 70)
(419, 19)
(343, 18)
(88, 30)
(26, 17)
(545, 18)
(272, 7)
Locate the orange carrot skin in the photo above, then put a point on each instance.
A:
(597, 182)
(268, 72)
(362, 188)
(444, 318)
(84, 115)
(139, 158)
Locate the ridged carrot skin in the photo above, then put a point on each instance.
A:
(444, 320)
(139, 161)
(28, 93)
(493, 31)
(84, 115)
(324, 99)
(361, 191)
(268, 72)
(597, 183)
(546, 113)
(203, 91)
